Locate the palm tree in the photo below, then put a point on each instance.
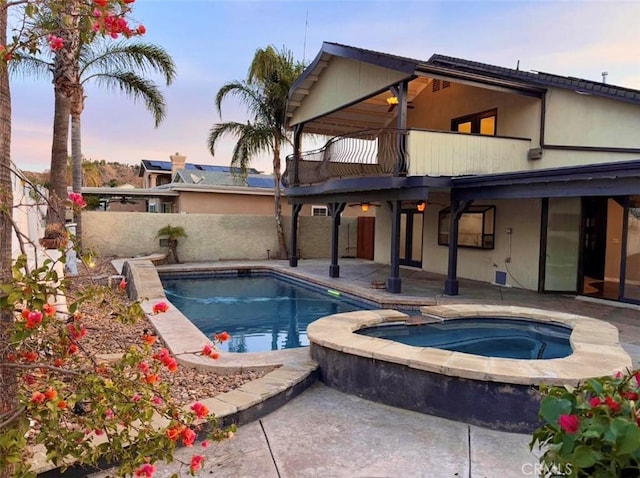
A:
(111, 65)
(264, 93)
(172, 233)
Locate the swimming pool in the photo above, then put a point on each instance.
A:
(261, 311)
(486, 336)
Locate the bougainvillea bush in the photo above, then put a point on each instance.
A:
(592, 430)
(80, 408)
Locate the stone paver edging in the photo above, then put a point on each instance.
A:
(596, 350)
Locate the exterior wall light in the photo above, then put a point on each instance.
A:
(421, 206)
(364, 206)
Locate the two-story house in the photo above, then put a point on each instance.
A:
(512, 177)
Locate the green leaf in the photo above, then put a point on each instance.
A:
(583, 457)
(551, 408)
(629, 440)
(595, 385)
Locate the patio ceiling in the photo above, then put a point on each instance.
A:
(371, 113)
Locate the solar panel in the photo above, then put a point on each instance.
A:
(191, 166)
(260, 182)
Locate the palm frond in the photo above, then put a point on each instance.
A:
(138, 88)
(143, 58)
(31, 66)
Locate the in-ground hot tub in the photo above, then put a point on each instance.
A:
(495, 392)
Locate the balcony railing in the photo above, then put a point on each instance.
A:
(379, 152)
(386, 152)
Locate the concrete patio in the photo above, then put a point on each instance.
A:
(326, 433)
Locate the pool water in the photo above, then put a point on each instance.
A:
(261, 313)
(489, 337)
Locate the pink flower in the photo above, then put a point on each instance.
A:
(141, 30)
(569, 423)
(160, 307)
(136, 398)
(123, 284)
(55, 43)
(595, 401)
(630, 395)
(34, 319)
(147, 470)
(77, 200)
(205, 443)
(196, 463)
(37, 397)
(200, 409)
(109, 414)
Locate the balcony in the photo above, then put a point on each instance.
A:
(393, 152)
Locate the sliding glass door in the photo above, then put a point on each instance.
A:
(631, 264)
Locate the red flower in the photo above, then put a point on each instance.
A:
(569, 423)
(173, 434)
(595, 401)
(102, 3)
(129, 1)
(141, 30)
(200, 410)
(153, 378)
(188, 436)
(37, 397)
(205, 443)
(49, 310)
(31, 356)
(196, 463)
(171, 364)
(630, 395)
(222, 337)
(149, 339)
(612, 404)
(73, 349)
(122, 285)
(160, 307)
(147, 470)
(34, 319)
(637, 376)
(56, 43)
(62, 405)
(143, 367)
(50, 394)
(25, 313)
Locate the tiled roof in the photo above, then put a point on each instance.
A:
(537, 78)
(217, 178)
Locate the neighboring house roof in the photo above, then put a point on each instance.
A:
(165, 167)
(216, 178)
(447, 66)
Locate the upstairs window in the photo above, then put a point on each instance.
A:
(477, 227)
(477, 123)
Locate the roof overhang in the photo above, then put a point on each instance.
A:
(149, 192)
(368, 108)
(604, 179)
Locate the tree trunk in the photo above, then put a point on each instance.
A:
(173, 247)
(66, 82)
(76, 166)
(8, 379)
(277, 196)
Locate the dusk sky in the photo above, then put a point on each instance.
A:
(213, 42)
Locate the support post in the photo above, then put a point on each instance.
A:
(293, 257)
(400, 91)
(456, 209)
(297, 134)
(394, 284)
(335, 209)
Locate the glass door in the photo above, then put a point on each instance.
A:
(561, 229)
(631, 250)
(411, 222)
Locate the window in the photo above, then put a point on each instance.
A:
(319, 211)
(478, 123)
(476, 228)
(167, 207)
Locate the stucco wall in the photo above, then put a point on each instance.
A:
(518, 116)
(523, 246)
(211, 237)
(227, 203)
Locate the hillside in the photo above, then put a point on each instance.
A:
(97, 173)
